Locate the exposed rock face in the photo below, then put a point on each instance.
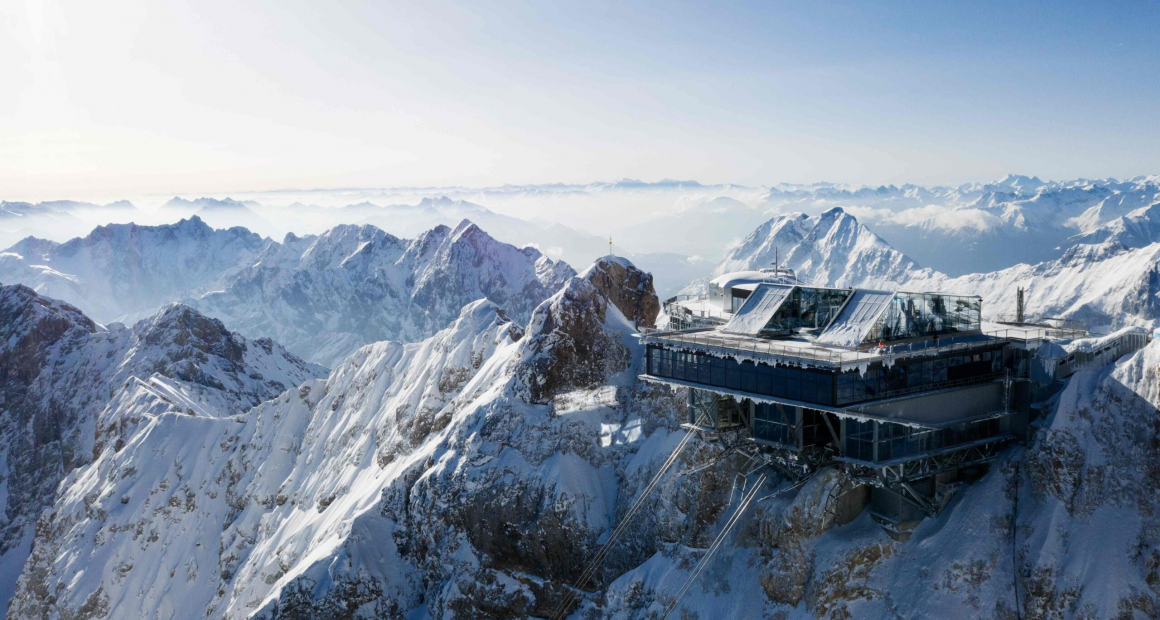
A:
(29, 326)
(58, 370)
(569, 349)
(1094, 475)
(35, 334)
(628, 288)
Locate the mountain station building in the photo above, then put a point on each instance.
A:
(908, 391)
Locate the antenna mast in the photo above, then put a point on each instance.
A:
(610, 245)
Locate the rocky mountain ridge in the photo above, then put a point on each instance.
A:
(322, 295)
(59, 371)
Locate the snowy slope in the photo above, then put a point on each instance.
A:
(59, 370)
(326, 296)
(457, 477)
(1105, 286)
(831, 249)
(1136, 229)
(470, 475)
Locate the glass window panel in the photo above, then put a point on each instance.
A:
(764, 385)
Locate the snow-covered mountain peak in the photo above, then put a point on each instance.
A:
(29, 324)
(469, 233)
(121, 272)
(1088, 253)
(19, 304)
(832, 248)
(322, 295)
(1021, 182)
(334, 247)
(468, 229)
(628, 288)
(179, 324)
(33, 249)
(357, 284)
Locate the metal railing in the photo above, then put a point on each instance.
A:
(682, 317)
(1108, 351)
(706, 340)
(1055, 328)
(676, 298)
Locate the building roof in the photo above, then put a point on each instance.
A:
(762, 304)
(735, 278)
(853, 323)
(803, 351)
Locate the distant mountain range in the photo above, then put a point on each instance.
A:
(324, 295)
(327, 295)
(677, 229)
(990, 226)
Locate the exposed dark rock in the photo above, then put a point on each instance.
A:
(628, 288)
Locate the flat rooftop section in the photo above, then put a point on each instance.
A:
(1029, 332)
(801, 350)
(704, 308)
(1017, 331)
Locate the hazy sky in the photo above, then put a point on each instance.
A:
(132, 96)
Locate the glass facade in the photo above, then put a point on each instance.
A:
(914, 376)
(807, 308)
(738, 298)
(790, 382)
(771, 425)
(703, 408)
(810, 385)
(859, 439)
(897, 441)
(914, 315)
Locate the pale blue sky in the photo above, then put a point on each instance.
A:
(141, 96)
